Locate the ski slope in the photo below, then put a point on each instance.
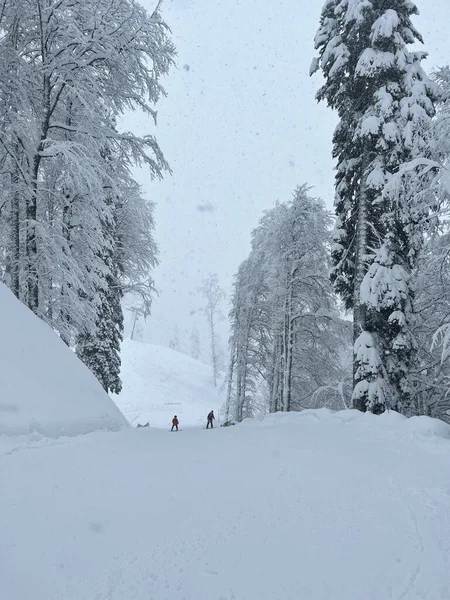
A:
(159, 382)
(310, 506)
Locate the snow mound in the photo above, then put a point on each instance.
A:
(45, 388)
(390, 421)
(428, 427)
(159, 382)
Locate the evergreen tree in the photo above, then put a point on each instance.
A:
(385, 104)
(100, 350)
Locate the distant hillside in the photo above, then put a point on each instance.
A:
(159, 382)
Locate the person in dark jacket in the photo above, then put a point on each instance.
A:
(175, 423)
(211, 418)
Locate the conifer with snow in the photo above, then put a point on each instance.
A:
(385, 104)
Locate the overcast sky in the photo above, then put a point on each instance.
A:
(240, 128)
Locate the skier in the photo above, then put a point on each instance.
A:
(175, 423)
(210, 420)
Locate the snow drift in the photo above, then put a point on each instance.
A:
(45, 388)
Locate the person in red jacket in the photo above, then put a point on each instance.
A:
(175, 423)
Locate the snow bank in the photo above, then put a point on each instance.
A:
(389, 422)
(426, 426)
(45, 388)
(159, 382)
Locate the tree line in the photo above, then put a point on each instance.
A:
(76, 233)
(387, 256)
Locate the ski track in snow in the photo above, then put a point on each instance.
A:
(313, 506)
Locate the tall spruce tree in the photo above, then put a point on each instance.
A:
(385, 104)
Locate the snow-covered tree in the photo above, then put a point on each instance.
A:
(100, 350)
(174, 343)
(286, 336)
(430, 378)
(249, 338)
(385, 105)
(195, 344)
(75, 221)
(136, 309)
(213, 295)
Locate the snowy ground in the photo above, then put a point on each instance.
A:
(159, 382)
(311, 506)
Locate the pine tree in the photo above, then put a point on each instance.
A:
(385, 104)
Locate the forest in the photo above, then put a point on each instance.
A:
(344, 309)
(356, 314)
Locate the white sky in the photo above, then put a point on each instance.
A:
(240, 129)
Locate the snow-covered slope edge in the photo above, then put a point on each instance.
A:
(44, 387)
(390, 422)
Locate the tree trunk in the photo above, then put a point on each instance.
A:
(359, 312)
(31, 244)
(230, 382)
(14, 258)
(288, 355)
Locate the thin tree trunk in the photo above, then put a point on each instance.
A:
(14, 265)
(31, 244)
(31, 247)
(279, 367)
(287, 341)
(230, 381)
(14, 246)
(213, 345)
(273, 405)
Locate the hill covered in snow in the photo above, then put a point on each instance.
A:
(45, 389)
(159, 382)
